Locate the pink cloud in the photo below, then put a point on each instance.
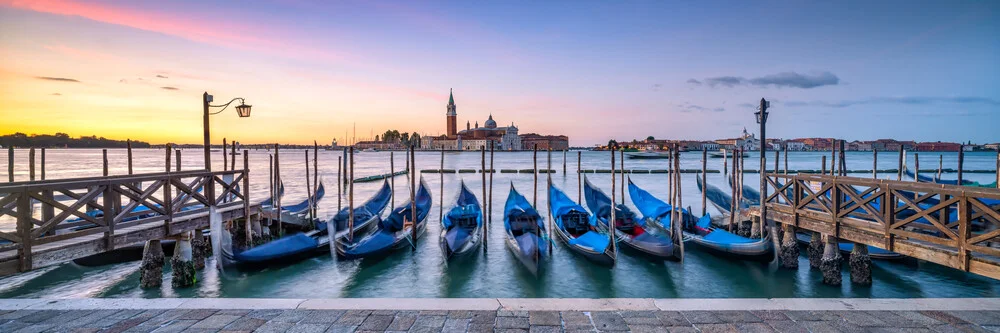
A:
(223, 32)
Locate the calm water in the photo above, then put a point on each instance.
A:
(495, 273)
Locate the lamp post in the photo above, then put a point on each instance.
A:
(761, 116)
(243, 110)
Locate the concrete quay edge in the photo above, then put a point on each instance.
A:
(515, 304)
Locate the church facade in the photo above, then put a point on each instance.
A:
(474, 137)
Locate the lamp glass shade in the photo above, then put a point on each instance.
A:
(243, 110)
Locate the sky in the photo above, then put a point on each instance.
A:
(591, 70)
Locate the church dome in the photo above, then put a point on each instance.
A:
(490, 123)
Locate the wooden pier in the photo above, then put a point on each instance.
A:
(946, 224)
(85, 216)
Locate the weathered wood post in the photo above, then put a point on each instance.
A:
(167, 198)
(277, 179)
(31, 164)
(786, 158)
(315, 205)
(679, 221)
(177, 156)
(548, 197)
(734, 204)
(961, 162)
(621, 162)
(104, 154)
(916, 167)
(579, 177)
(441, 191)
(489, 203)
(248, 224)
(725, 159)
(899, 168)
(350, 196)
(309, 196)
(534, 193)
(874, 163)
(10, 164)
(746, 226)
(670, 176)
(704, 179)
(340, 172)
(128, 148)
(182, 262)
(225, 159)
(485, 205)
(48, 211)
(232, 157)
(564, 161)
(612, 223)
(413, 193)
(392, 181)
(832, 263)
(43, 164)
(777, 155)
(940, 167)
(998, 169)
(824, 164)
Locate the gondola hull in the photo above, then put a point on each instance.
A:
(462, 226)
(759, 250)
(606, 258)
(847, 247)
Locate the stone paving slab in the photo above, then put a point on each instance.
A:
(307, 320)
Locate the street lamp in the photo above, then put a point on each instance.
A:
(243, 110)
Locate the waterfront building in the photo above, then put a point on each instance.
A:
(746, 141)
(992, 146)
(473, 137)
(544, 142)
(938, 146)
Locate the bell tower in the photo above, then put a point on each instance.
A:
(451, 116)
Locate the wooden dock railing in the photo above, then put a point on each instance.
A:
(946, 224)
(59, 220)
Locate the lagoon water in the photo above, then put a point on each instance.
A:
(494, 272)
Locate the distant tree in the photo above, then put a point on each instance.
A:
(650, 138)
(376, 137)
(612, 143)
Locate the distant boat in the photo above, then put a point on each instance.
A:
(721, 155)
(649, 155)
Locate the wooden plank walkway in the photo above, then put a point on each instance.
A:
(955, 226)
(100, 214)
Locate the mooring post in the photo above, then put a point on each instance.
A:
(128, 148)
(961, 162)
(940, 167)
(725, 159)
(485, 205)
(786, 158)
(225, 159)
(43, 163)
(998, 169)
(777, 155)
(392, 181)
(704, 178)
(198, 249)
(621, 163)
(861, 265)
(670, 176)
(350, 196)
(734, 204)
(248, 225)
(832, 263)
(916, 167)
(277, 179)
(612, 222)
(789, 251)
(167, 198)
(271, 185)
(309, 197)
(874, 163)
(10, 164)
(564, 161)
(579, 176)
(151, 268)
(548, 196)
(824, 164)
(413, 194)
(232, 158)
(441, 191)
(534, 193)
(177, 156)
(815, 249)
(48, 211)
(315, 204)
(899, 167)
(340, 172)
(104, 156)
(489, 203)
(31, 164)
(680, 204)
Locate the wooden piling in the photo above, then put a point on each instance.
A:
(232, 158)
(843, 160)
(489, 203)
(670, 176)
(940, 167)
(413, 195)
(483, 169)
(704, 178)
(441, 192)
(725, 159)
(277, 179)
(613, 222)
(128, 148)
(833, 156)
(166, 191)
(10, 164)
(340, 186)
(899, 168)
(315, 205)
(777, 155)
(246, 198)
(534, 194)
(43, 163)
(621, 163)
(392, 180)
(31, 164)
(733, 205)
(679, 221)
(874, 163)
(564, 161)
(579, 176)
(786, 159)
(225, 159)
(350, 196)
(271, 185)
(309, 197)
(961, 162)
(177, 156)
(104, 156)
(548, 198)
(823, 158)
(916, 166)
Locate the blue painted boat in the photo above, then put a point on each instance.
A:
(965, 182)
(393, 232)
(750, 196)
(719, 241)
(575, 228)
(461, 227)
(719, 199)
(303, 206)
(525, 231)
(629, 230)
(654, 211)
(366, 215)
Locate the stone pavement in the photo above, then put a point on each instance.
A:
(305, 320)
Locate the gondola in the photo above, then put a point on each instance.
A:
(723, 242)
(461, 227)
(301, 245)
(629, 230)
(719, 199)
(750, 195)
(525, 231)
(575, 228)
(718, 155)
(654, 211)
(965, 182)
(393, 232)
